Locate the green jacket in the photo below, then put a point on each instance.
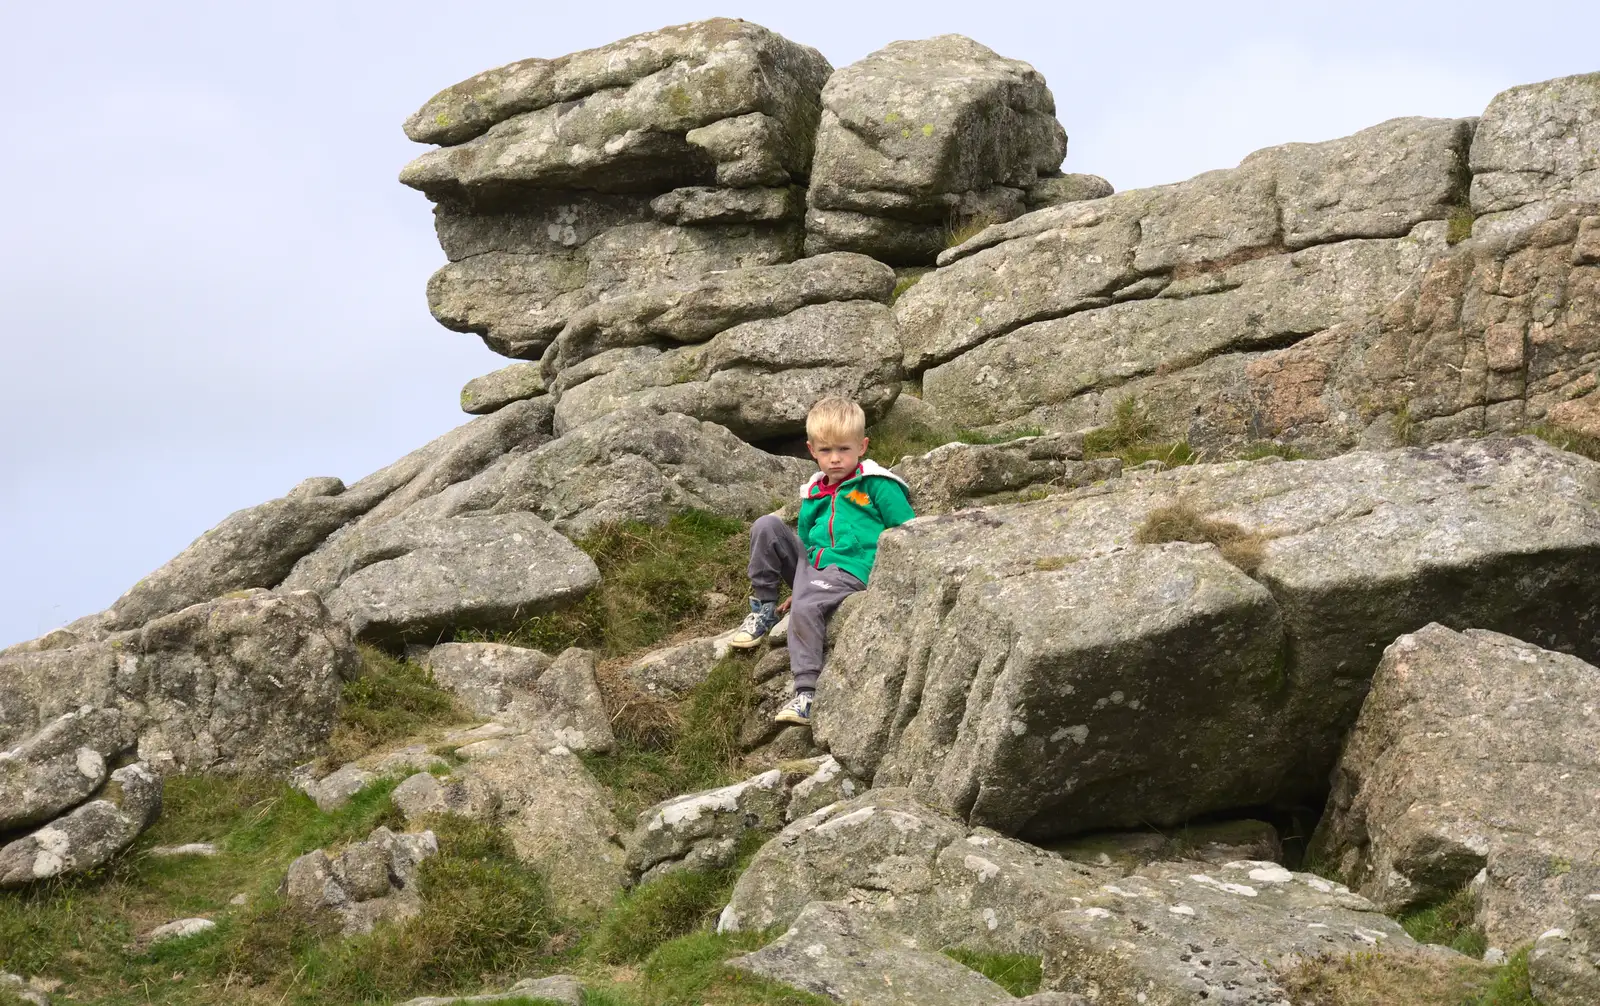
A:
(841, 528)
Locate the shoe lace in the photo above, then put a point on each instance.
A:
(751, 623)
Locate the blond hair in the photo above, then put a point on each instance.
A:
(835, 420)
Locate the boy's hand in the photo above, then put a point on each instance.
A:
(783, 609)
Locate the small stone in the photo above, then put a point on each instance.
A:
(179, 851)
(180, 929)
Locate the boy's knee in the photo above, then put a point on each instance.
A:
(767, 525)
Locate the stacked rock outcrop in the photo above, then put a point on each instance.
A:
(661, 157)
(921, 139)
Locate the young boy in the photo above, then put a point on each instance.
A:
(845, 507)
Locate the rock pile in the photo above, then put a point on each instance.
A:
(369, 881)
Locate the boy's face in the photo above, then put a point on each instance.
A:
(837, 458)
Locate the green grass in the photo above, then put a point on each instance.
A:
(690, 971)
(1566, 440)
(698, 749)
(666, 908)
(889, 442)
(908, 279)
(392, 699)
(1510, 986)
(1401, 979)
(1450, 924)
(1131, 436)
(654, 581)
(1458, 226)
(1019, 974)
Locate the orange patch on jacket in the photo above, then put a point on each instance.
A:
(858, 497)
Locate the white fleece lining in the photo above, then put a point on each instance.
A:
(868, 467)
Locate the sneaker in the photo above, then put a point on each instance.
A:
(797, 710)
(763, 616)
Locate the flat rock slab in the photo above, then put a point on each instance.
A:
(1190, 932)
(483, 395)
(1474, 752)
(484, 676)
(914, 871)
(836, 951)
(1038, 670)
(423, 577)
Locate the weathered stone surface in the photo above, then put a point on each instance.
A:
(335, 789)
(914, 131)
(424, 793)
(558, 817)
(179, 929)
(60, 766)
(695, 310)
(703, 831)
(958, 475)
(562, 989)
(674, 671)
(486, 676)
(837, 951)
(14, 985)
(519, 301)
(88, 836)
(259, 546)
(1564, 967)
(1188, 932)
(563, 708)
(369, 881)
(1378, 184)
(707, 205)
(1249, 307)
(239, 684)
(1472, 753)
(203, 850)
(423, 577)
(1219, 843)
(615, 117)
(631, 465)
(1536, 146)
(829, 784)
(486, 394)
(758, 378)
(1036, 669)
(912, 870)
(1057, 189)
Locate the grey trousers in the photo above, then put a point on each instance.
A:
(777, 557)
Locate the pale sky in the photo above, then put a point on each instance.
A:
(212, 284)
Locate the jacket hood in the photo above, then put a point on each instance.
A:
(868, 467)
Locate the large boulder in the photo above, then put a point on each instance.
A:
(1066, 665)
(1190, 933)
(838, 952)
(88, 836)
(655, 159)
(494, 391)
(240, 684)
(1473, 753)
(1537, 146)
(485, 676)
(922, 137)
(914, 871)
(413, 577)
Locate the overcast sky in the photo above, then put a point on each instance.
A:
(212, 285)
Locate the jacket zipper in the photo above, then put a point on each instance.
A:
(833, 503)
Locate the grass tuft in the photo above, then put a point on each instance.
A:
(1451, 923)
(391, 699)
(653, 583)
(1180, 521)
(1566, 440)
(1130, 436)
(908, 279)
(1019, 974)
(1371, 979)
(1458, 225)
